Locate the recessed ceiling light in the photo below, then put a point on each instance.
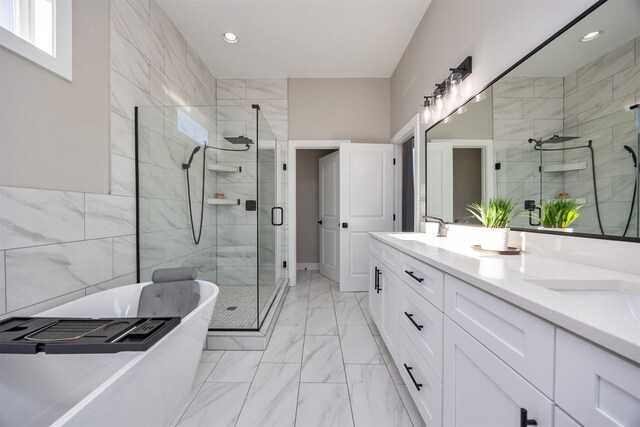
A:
(230, 38)
(591, 36)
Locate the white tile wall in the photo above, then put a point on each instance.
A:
(56, 245)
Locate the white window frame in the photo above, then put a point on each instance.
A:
(60, 64)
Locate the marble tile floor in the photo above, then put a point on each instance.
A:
(325, 365)
(243, 298)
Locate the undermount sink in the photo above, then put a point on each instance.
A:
(619, 296)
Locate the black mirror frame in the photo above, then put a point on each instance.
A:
(514, 66)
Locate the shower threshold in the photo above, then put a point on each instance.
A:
(239, 339)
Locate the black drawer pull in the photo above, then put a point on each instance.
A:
(410, 273)
(524, 419)
(410, 316)
(379, 274)
(409, 368)
(375, 280)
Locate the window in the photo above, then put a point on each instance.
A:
(39, 30)
(190, 127)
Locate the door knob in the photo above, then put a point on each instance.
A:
(320, 222)
(345, 224)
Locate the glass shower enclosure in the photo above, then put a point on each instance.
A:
(208, 188)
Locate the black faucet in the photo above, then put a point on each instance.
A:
(442, 226)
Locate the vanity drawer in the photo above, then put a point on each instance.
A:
(386, 254)
(521, 340)
(596, 387)
(424, 387)
(422, 323)
(424, 279)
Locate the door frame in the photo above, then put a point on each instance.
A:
(294, 145)
(413, 128)
(486, 148)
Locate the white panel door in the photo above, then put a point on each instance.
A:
(329, 204)
(366, 204)
(440, 180)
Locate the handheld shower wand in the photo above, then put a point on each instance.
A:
(633, 155)
(635, 188)
(193, 153)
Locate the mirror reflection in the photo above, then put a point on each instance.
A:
(559, 133)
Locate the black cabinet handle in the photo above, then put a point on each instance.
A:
(375, 279)
(378, 276)
(345, 224)
(409, 368)
(524, 419)
(410, 316)
(410, 273)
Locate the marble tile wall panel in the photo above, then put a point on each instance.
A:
(231, 89)
(123, 176)
(107, 216)
(124, 255)
(542, 108)
(39, 273)
(266, 89)
(548, 87)
(590, 97)
(122, 133)
(507, 108)
(129, 61)
(134, 29)
(607, 65)
(30, 217)
(175, 68)
(514, 87)
(142, 8)
(167, 31)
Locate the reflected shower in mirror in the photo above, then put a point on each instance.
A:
(562, 125)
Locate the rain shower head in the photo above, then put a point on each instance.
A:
(555, 139)
(239, 140)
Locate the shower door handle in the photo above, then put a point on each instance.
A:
(273, 210)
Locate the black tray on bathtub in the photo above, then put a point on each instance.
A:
(73, 335)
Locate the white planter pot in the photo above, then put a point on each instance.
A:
(566, 230)
(495, 239)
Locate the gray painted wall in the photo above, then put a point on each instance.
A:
(355, 109)
(54, 134)
(467, 179)
(307, 207)
(497, 33)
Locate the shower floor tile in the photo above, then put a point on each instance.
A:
(236, 307)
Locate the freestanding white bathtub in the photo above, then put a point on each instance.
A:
(121, 389)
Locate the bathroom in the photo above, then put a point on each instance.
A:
(156, 141)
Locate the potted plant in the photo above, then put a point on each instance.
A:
(558, 214)
(495, 216)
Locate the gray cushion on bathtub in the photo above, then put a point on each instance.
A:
(174, 274)
(169, 299)
(173, 293)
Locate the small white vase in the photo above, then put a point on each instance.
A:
(566, 230)
(495, 239)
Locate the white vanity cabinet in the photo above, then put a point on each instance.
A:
(469, 358)
(384, 302)
(481, 390)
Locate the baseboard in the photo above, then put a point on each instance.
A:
(308, 266)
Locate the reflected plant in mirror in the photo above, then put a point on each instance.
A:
(561, 124)
(559, 214)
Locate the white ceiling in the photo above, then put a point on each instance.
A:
(620, 21)
(298, 38)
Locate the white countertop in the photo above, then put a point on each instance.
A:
(611, 322)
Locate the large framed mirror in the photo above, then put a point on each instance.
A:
(562, 125)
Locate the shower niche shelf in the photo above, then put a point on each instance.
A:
(223, 202)
(214, 167)
(566, 167)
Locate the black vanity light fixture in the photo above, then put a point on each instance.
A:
(449, 87)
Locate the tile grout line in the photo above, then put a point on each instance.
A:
(186, 409)
(344, 365)
(304, 337)
(244, 402)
